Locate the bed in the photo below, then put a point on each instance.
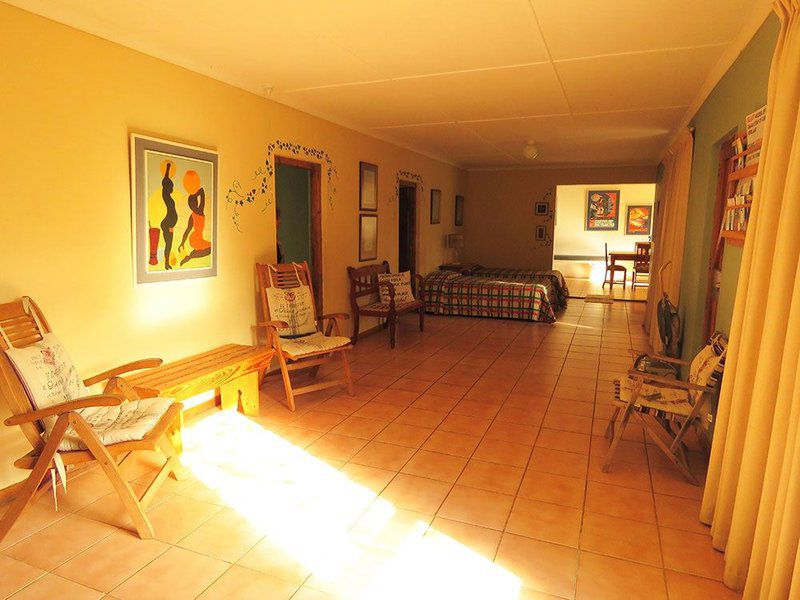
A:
(451, 293)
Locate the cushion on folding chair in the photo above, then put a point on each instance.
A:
(130, 421)
(316, 342)
(664, 401)
(294, 306)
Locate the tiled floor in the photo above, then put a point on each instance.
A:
(467, 466)
(580, 288)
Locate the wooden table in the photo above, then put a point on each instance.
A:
(621, 256)
(234, 369)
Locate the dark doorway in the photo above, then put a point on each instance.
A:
(407, 228)
(297, 197)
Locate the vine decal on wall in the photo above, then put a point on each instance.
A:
(547, 221)
(406, 176)
(260, 182)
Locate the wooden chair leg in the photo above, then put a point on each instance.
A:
(40, 469)
(422, 319)
(347, 375)
(287, 382)
(392, 326)
(355, 326)
(672, 456)
(615, 442)
(610, 428)
(121, 486)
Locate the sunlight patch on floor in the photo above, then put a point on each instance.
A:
(353, 542)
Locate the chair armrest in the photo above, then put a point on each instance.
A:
(65, 407)
(145, 363)
(677, 383)
(669, 359)
(334, 316)
(272, 324)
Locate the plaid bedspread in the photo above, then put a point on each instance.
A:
(553, 280)
(449, 293)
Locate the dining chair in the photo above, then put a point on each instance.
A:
(611, 269)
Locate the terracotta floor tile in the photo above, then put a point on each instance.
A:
(53, 586)
(617, 501)
(428, 401)
(434, 465)
(404, 435)
(111, 561)
(59, 542)
(272, 558)
(624, 474)
(16, 575)
(681, 586)
(556, 489)
(299, 436)
(606, 578)
(241, 583)
(680, 513)
(456, 444)
(465, 425)
(318, 420)
(389, 529)
(563, 440)
(359, 427)
(522, 416)
(558, 462)
(228, 535)
(478, 539)
(36, 517)
(541, 566)
(478, 507)
(621, 538)
(378, 410)
(416, 493)
(342, 405)
(339, 447)
(188, 574)
(410, 385)
(691, 553)
(371, 478)
(493, 477)
(672, 483)
(512, 432)
(447, 390)
(626, 451)
(505, 453)
(178, 516)
(567, 422)
(383, 456)
(545, 521)
(421, 418)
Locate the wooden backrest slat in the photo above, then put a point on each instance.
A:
(364, 281)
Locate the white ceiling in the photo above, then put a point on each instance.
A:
(469, 81)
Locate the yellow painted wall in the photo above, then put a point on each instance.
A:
(499, 218)
(571, 237)
(68, 104)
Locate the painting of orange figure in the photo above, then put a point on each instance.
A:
(175, 210)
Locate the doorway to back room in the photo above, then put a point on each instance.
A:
(407, 228)
(590, 219)
(298, 215)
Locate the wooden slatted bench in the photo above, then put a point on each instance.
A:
(235, 369)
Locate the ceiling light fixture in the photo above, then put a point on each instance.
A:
(530, 151)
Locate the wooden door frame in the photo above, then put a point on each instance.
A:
(402, 183)
(315, 192)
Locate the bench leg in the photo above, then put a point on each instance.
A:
(244, 388)
(355, 326)
(422, 319)
(392, 322)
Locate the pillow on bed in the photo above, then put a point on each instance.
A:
(470, 268)
(402, 287)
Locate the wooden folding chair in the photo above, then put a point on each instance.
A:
(666, 407)
(22, 324)
(308, 351)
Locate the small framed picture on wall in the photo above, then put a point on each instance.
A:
(367, 237)
(541, 209)
(637, 219)
(459, 211)
(436, 207)
(368, 186)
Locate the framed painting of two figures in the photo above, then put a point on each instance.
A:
(174, 191)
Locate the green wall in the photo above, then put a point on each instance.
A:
(742, 90)
(292, 196)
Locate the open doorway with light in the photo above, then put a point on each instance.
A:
(597, 233)
(299, 216)
(407, 228)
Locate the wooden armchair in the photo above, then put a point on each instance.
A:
(305, 351)
(667, 407)
(364, 282)
(70, 434)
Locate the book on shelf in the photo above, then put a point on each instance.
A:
(738, 147)
(752, 158)
(755, 123)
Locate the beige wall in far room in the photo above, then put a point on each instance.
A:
(499, 220)
(571, 237)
